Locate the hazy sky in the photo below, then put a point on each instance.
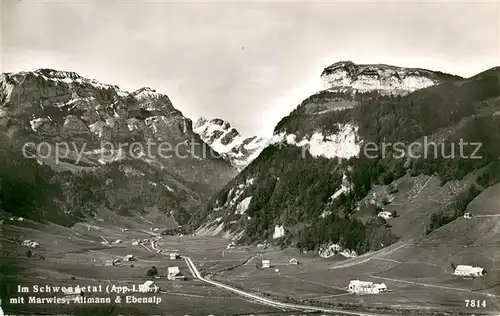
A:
(249, 63)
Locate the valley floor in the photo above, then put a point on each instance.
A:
(419, 284)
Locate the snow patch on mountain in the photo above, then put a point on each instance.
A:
(146, 93)
(242, 207)
(234, 194)
(36, 123)
(343, 144)
(70, 77)
(344, 188)
(279, 231)
(218, 132)
(97, 128)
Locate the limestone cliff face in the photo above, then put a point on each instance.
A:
(347, 76)
(52, 105)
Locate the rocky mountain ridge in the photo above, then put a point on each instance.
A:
(96, 128)
(226, 140)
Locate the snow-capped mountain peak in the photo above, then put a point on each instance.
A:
(58, 74)
(228, 142)
(146, 93)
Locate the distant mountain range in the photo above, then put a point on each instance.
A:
(309, 186)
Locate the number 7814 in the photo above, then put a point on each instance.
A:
(475, 303)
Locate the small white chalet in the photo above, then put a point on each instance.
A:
(293, 261)
(129, 258)
(173, 273)
(468, 216)
(174, 256)
(146, 287)
(385, 214)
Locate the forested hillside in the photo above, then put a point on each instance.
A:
(34, 191)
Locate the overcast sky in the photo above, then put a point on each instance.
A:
(249, 63)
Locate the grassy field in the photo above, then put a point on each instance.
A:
(417, 270)
(77, 257)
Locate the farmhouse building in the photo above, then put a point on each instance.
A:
(73, 295)
(294, 261)
(363, 287)
(266, 263)
(262, 246)
(174, 256)
(469, 271)
(129, 258)
(146, 287)
(385, 215)
(173, 273)
(30, 243)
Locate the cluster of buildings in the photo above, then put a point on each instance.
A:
(468, 216)
(266, 263)
(30, 243)
(106, 242)
(331, 249)
(144, 241)
(116, 261)
(469, 271)
(364, 287)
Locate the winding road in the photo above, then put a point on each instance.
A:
(305, 308)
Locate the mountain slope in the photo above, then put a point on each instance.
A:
(139, 141)
(318, 185)
(227, 141)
